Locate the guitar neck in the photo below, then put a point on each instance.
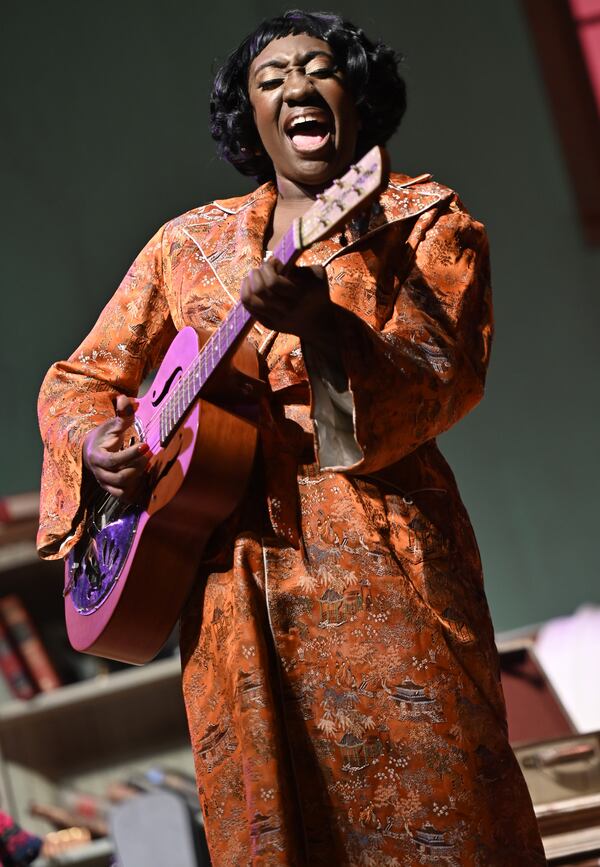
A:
(331, 209)
(234, 327)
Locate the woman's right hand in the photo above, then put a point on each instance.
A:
(117, 470)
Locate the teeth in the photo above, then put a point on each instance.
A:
(304, 119)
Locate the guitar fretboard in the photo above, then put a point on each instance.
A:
(331, 209)
(237, 322)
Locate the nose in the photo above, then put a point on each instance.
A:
(296, 87)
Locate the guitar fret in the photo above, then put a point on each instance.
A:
(304, 231)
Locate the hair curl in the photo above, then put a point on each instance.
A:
(370, 70)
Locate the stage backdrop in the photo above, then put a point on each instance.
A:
(104, 138)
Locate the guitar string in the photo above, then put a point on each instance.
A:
(208, 350)
(308, 223)
(172, 401)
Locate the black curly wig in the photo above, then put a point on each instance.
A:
(370, 70)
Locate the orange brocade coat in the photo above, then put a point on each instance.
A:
(339, 667)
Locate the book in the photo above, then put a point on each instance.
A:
(83, 804)
(13, 669)
(62, 818)
(28, 644)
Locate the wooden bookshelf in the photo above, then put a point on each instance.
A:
(87, 734)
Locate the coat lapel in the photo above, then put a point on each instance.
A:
(229, 236)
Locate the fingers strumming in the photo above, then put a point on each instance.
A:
(132, 456)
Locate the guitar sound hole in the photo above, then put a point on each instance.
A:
(157, 399)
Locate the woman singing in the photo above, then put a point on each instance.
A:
(339, 667)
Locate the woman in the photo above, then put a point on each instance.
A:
(339, 666)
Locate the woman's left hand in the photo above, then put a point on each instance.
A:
(297, 303)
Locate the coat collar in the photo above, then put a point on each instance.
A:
(230, 232)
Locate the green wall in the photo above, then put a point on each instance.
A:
(104, 137)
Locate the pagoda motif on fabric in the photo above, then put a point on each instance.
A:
(336, 608)
(356, 752)
(266, 833)
(214, 746)
(411, 693)
(423, 539)
(414, 701)
(429, 840)
(250, 687)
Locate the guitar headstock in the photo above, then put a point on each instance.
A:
(348, 194)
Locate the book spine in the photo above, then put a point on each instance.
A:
(13, 669)
(29, 644)
(83, 804)
(61, 818)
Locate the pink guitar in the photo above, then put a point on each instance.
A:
(128, 577)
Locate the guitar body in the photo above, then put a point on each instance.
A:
(129, 575)
(128, 580)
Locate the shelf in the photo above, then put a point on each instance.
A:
(583, 842)
(98, 690)
(89, 735)
(17, 544)
(95, 854)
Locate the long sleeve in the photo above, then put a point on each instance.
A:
(426, 368)
(129, 338)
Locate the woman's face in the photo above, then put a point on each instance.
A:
(306, 119)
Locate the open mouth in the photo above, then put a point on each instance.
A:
(308, 132)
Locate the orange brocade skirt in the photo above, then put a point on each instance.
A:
(343, 698)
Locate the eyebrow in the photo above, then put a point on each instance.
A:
(304, 59)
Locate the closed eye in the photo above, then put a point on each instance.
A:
(326, 72)
(271, 84)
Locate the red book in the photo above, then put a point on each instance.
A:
(28, 643)
(13, 669)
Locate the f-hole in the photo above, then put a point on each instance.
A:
(166, 387)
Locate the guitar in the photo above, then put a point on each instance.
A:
(128, 577)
